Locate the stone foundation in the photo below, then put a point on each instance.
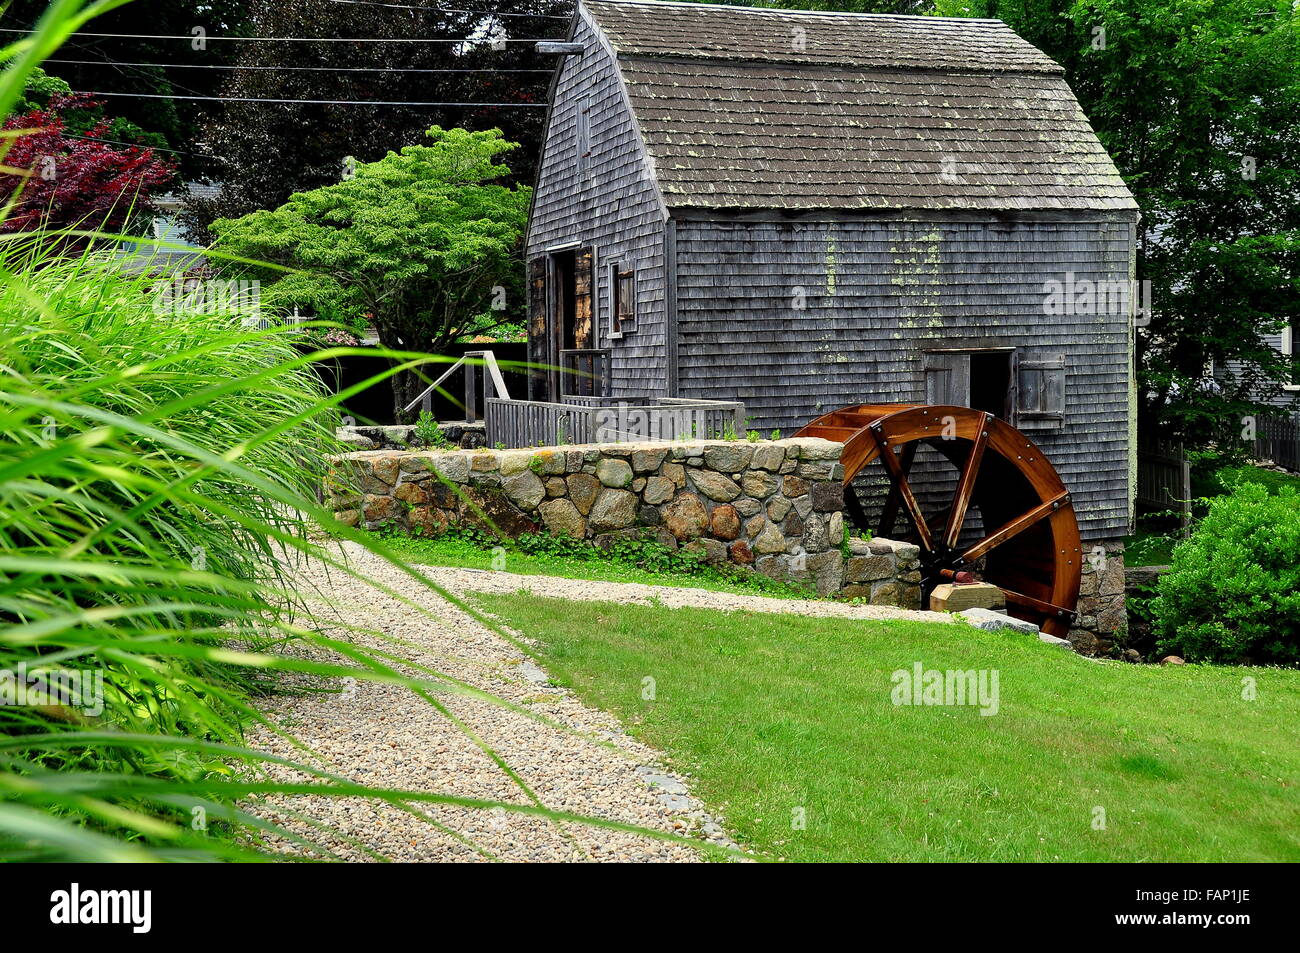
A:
(1103, 618)
(884, 572)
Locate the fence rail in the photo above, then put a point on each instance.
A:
(588, 419)
(1278, 439)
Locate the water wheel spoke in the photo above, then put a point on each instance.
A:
(1046, 609)
(905, 494)
(1015, 527)
(965, 488)
(889, 515)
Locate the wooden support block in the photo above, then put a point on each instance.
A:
(954, 597)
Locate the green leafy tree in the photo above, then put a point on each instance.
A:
(424, 241)
(1198, 102)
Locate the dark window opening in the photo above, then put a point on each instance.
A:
(1017, 386)
(563, 271)
(990, 383)
(584, 140)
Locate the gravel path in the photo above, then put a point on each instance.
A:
(385, 735)
(485, 580)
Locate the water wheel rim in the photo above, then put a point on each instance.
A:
(870, 431)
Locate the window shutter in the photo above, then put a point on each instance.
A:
(583, 146)
(1040, 385)
(947, 378)
(538, 340)
(582, 298)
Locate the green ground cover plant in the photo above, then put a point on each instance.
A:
(541, 554)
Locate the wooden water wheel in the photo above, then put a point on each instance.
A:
(1029, 545)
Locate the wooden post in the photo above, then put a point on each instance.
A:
(471, 393)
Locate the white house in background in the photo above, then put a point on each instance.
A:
(174, 252)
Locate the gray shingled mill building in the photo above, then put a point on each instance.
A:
(805, 211)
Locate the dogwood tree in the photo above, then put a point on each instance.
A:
(424, 241)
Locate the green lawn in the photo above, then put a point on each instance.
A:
(771, 714)
(587, 563)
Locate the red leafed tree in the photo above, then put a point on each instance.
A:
(74, 182)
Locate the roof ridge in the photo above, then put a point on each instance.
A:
(714, 7)
(833, 66)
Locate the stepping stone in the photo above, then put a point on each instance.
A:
(991, 621)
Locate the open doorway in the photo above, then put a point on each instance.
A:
(563, 317)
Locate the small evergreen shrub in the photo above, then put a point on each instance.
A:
(427, 431)
(1233, 590)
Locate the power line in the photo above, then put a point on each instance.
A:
(486, 13)
(134, 145)
(297, 69)
(293, 39)
(311, 102)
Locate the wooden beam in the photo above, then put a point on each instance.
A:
(889, 514)
(558, 47)
(896, 474)
(1016, 526)
(1047, 609)
(965, 487)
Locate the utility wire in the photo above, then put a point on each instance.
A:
(297, 69)
(293, 39)
(313, 102)
(134, 145)
(486, 13)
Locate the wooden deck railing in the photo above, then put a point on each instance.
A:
(471, 361)
(588, 419)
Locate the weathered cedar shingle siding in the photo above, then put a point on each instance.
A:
(845, 191)
(900, 288)
(615, 208)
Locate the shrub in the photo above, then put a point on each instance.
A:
(1233, 590)
(427, 431)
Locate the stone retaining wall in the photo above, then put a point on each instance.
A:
(774, 505)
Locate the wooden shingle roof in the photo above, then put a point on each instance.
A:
(777, 109)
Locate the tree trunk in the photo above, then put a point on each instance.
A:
(406, 386)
